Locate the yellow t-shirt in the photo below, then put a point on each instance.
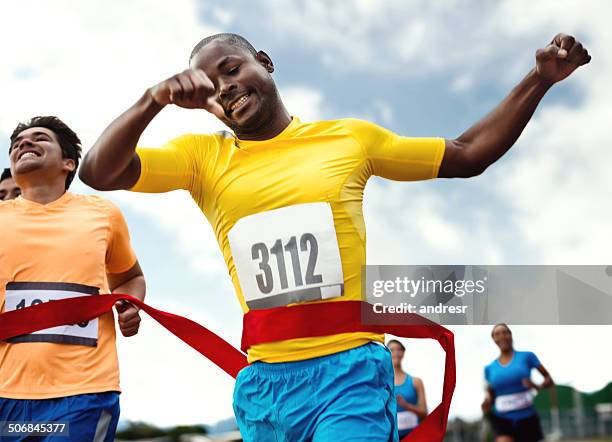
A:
(53, 251)
(287, 212)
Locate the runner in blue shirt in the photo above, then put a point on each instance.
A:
(510, 390)
(409, 392)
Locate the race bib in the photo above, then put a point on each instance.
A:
(407, 420)
(512, 402)
(26, 294)
(287, 255)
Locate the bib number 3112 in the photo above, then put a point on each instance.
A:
(261, 253)
(287, 255)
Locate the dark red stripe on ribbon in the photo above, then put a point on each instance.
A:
(260, 326)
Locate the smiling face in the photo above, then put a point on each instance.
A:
(502, 336)
(244, 87)
(36, 152)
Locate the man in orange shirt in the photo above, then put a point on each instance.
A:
(59, 245)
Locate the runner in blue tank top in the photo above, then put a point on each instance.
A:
(510, 391)
(409, 391)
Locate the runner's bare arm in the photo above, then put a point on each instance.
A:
(546, 383)
(487, 404)
(132, 283)
(486, 141)
(420, 409)
(112, 162)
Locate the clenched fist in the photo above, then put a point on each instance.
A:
(128, 318)
(191, 89)
(560, 58)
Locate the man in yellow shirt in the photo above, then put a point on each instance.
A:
(57, 245)
(285, 201)
(8, 189)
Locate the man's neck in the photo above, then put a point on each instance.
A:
(269, 129)
(43, 193)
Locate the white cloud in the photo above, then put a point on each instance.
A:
(223, 16)
(409, 224)
(462, 83)
(410, 41)
(463, 39)
(89, 61)
(420, 36)
(385, 112)
(304, 102)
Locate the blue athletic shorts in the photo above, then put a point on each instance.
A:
(346, 396)
(90, 417)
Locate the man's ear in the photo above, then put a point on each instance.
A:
(69, 164)
(265, 60)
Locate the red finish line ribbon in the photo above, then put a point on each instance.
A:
(304, 320)
(86, 308)
(323, 319)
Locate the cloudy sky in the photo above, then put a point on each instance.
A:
(417, 67)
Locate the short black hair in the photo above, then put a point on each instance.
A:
(395, 341)
(233, 39)
(6, 174)
(500, 325)
(68, 140)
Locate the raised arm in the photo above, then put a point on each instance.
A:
(112, 162)
(486, 141)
